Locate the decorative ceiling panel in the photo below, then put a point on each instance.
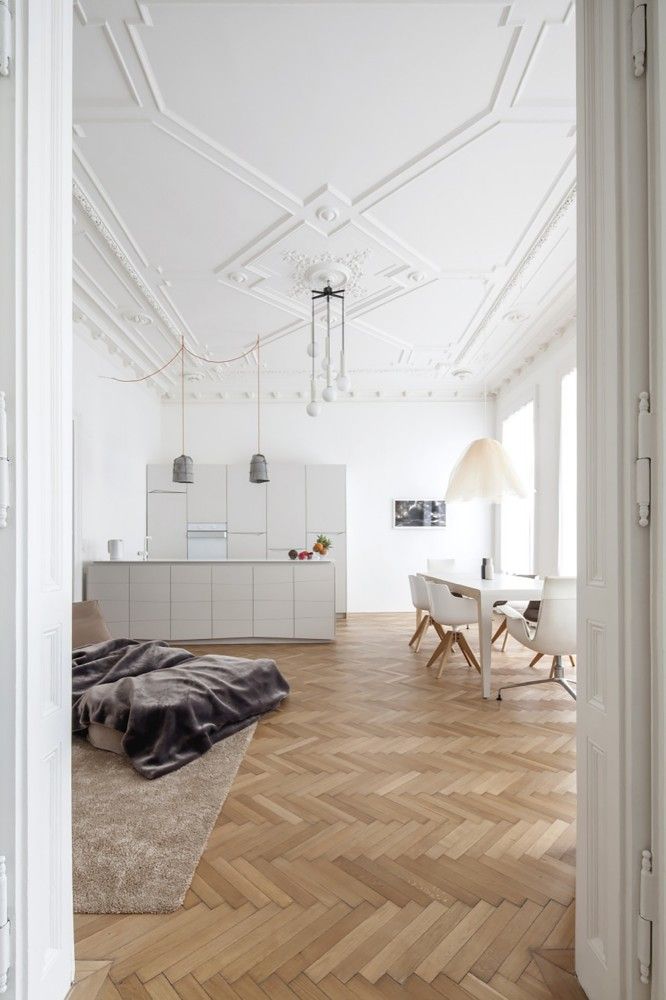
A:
(425, 151)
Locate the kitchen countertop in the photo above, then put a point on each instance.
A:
(267, 562)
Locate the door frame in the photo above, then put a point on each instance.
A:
(614, 643)
(35, 549)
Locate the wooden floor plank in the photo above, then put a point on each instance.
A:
(388, 835)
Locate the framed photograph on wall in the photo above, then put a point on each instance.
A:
(419, 513)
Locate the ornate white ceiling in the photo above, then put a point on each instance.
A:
(223, 147)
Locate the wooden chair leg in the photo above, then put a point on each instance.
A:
(506, 636)
(445, 655)
(573, 662)
(535, 659)
(438, 652)
(468, 652)
(420, 629)
(463, 651)
(502, 628)
(426, 624)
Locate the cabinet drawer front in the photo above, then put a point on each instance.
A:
(232, 574)
(315, 609)
(232, 591)
(274, 591)
(273, 628)
(150, 591)
(191, 611)
(150, 573)
(108, 573)
(149, 611)
(181, 573)
(190, 629)
(273, 573)
(313, 570)
(150, 630)
(314, 590)
(114, 611)
(232, 629)
(314, 628)
(190, 592)
(232, 610)
(119, 630)
(274, 609)
(107, 591)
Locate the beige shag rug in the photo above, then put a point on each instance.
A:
(137, 842)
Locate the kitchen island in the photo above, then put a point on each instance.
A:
(239, 600)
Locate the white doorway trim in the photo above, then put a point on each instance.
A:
(35, 549)
(613, 725)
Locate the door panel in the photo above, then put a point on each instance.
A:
(613, 708)
(246, 501)
(326, 487)
(167, 525)
(246, 546)
(285, 516)
(36, 544)
(207, 495)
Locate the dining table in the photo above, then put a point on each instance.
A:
(487, 593)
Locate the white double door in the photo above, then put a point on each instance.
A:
(36, 544)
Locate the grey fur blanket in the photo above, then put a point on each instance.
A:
(171, 705)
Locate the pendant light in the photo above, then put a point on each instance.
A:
(258, 466)
(484, 471)
(183, 466)
(342, 381)
(313, 407)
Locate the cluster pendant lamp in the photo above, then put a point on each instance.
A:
(341, 381)
(258, 466)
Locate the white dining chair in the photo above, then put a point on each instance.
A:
(421, 602)
(554, 633)
(451, 613)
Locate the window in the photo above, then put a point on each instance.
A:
(567, 532)
(517, 514)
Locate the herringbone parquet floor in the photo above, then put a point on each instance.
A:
(388, 835)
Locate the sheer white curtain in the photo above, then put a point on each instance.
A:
(567, 532)
(516, 514)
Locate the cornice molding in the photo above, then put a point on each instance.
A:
(119, 252)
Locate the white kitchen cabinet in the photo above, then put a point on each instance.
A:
(246, 545)
(285, 508)
(326, 498)
(207, 495)
(246, 502)
(167, 525)
(159, 479)
(338, 553)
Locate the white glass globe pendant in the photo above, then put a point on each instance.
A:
(312, 409)
(343, 381)
(335, 382)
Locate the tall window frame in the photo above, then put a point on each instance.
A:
(567, 479)
(517, 514)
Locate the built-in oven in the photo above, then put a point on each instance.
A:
(206, 541)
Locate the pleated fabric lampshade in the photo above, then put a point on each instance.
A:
(484, 472)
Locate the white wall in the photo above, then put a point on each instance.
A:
(542, 383)
(117, 431)
(391, 450)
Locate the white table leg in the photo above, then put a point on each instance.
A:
(485, 641)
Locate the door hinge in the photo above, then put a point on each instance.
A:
(5, 947)
(644, 459)
(638, 36)
(647, 912)
(5, 37)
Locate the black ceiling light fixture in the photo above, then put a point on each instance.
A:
(342, 381)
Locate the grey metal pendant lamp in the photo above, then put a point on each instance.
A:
(258, 465)
(183, 466)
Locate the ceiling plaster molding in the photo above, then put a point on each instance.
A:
(528, 258)
(120, 254)
(522, 368)
(349, 266)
